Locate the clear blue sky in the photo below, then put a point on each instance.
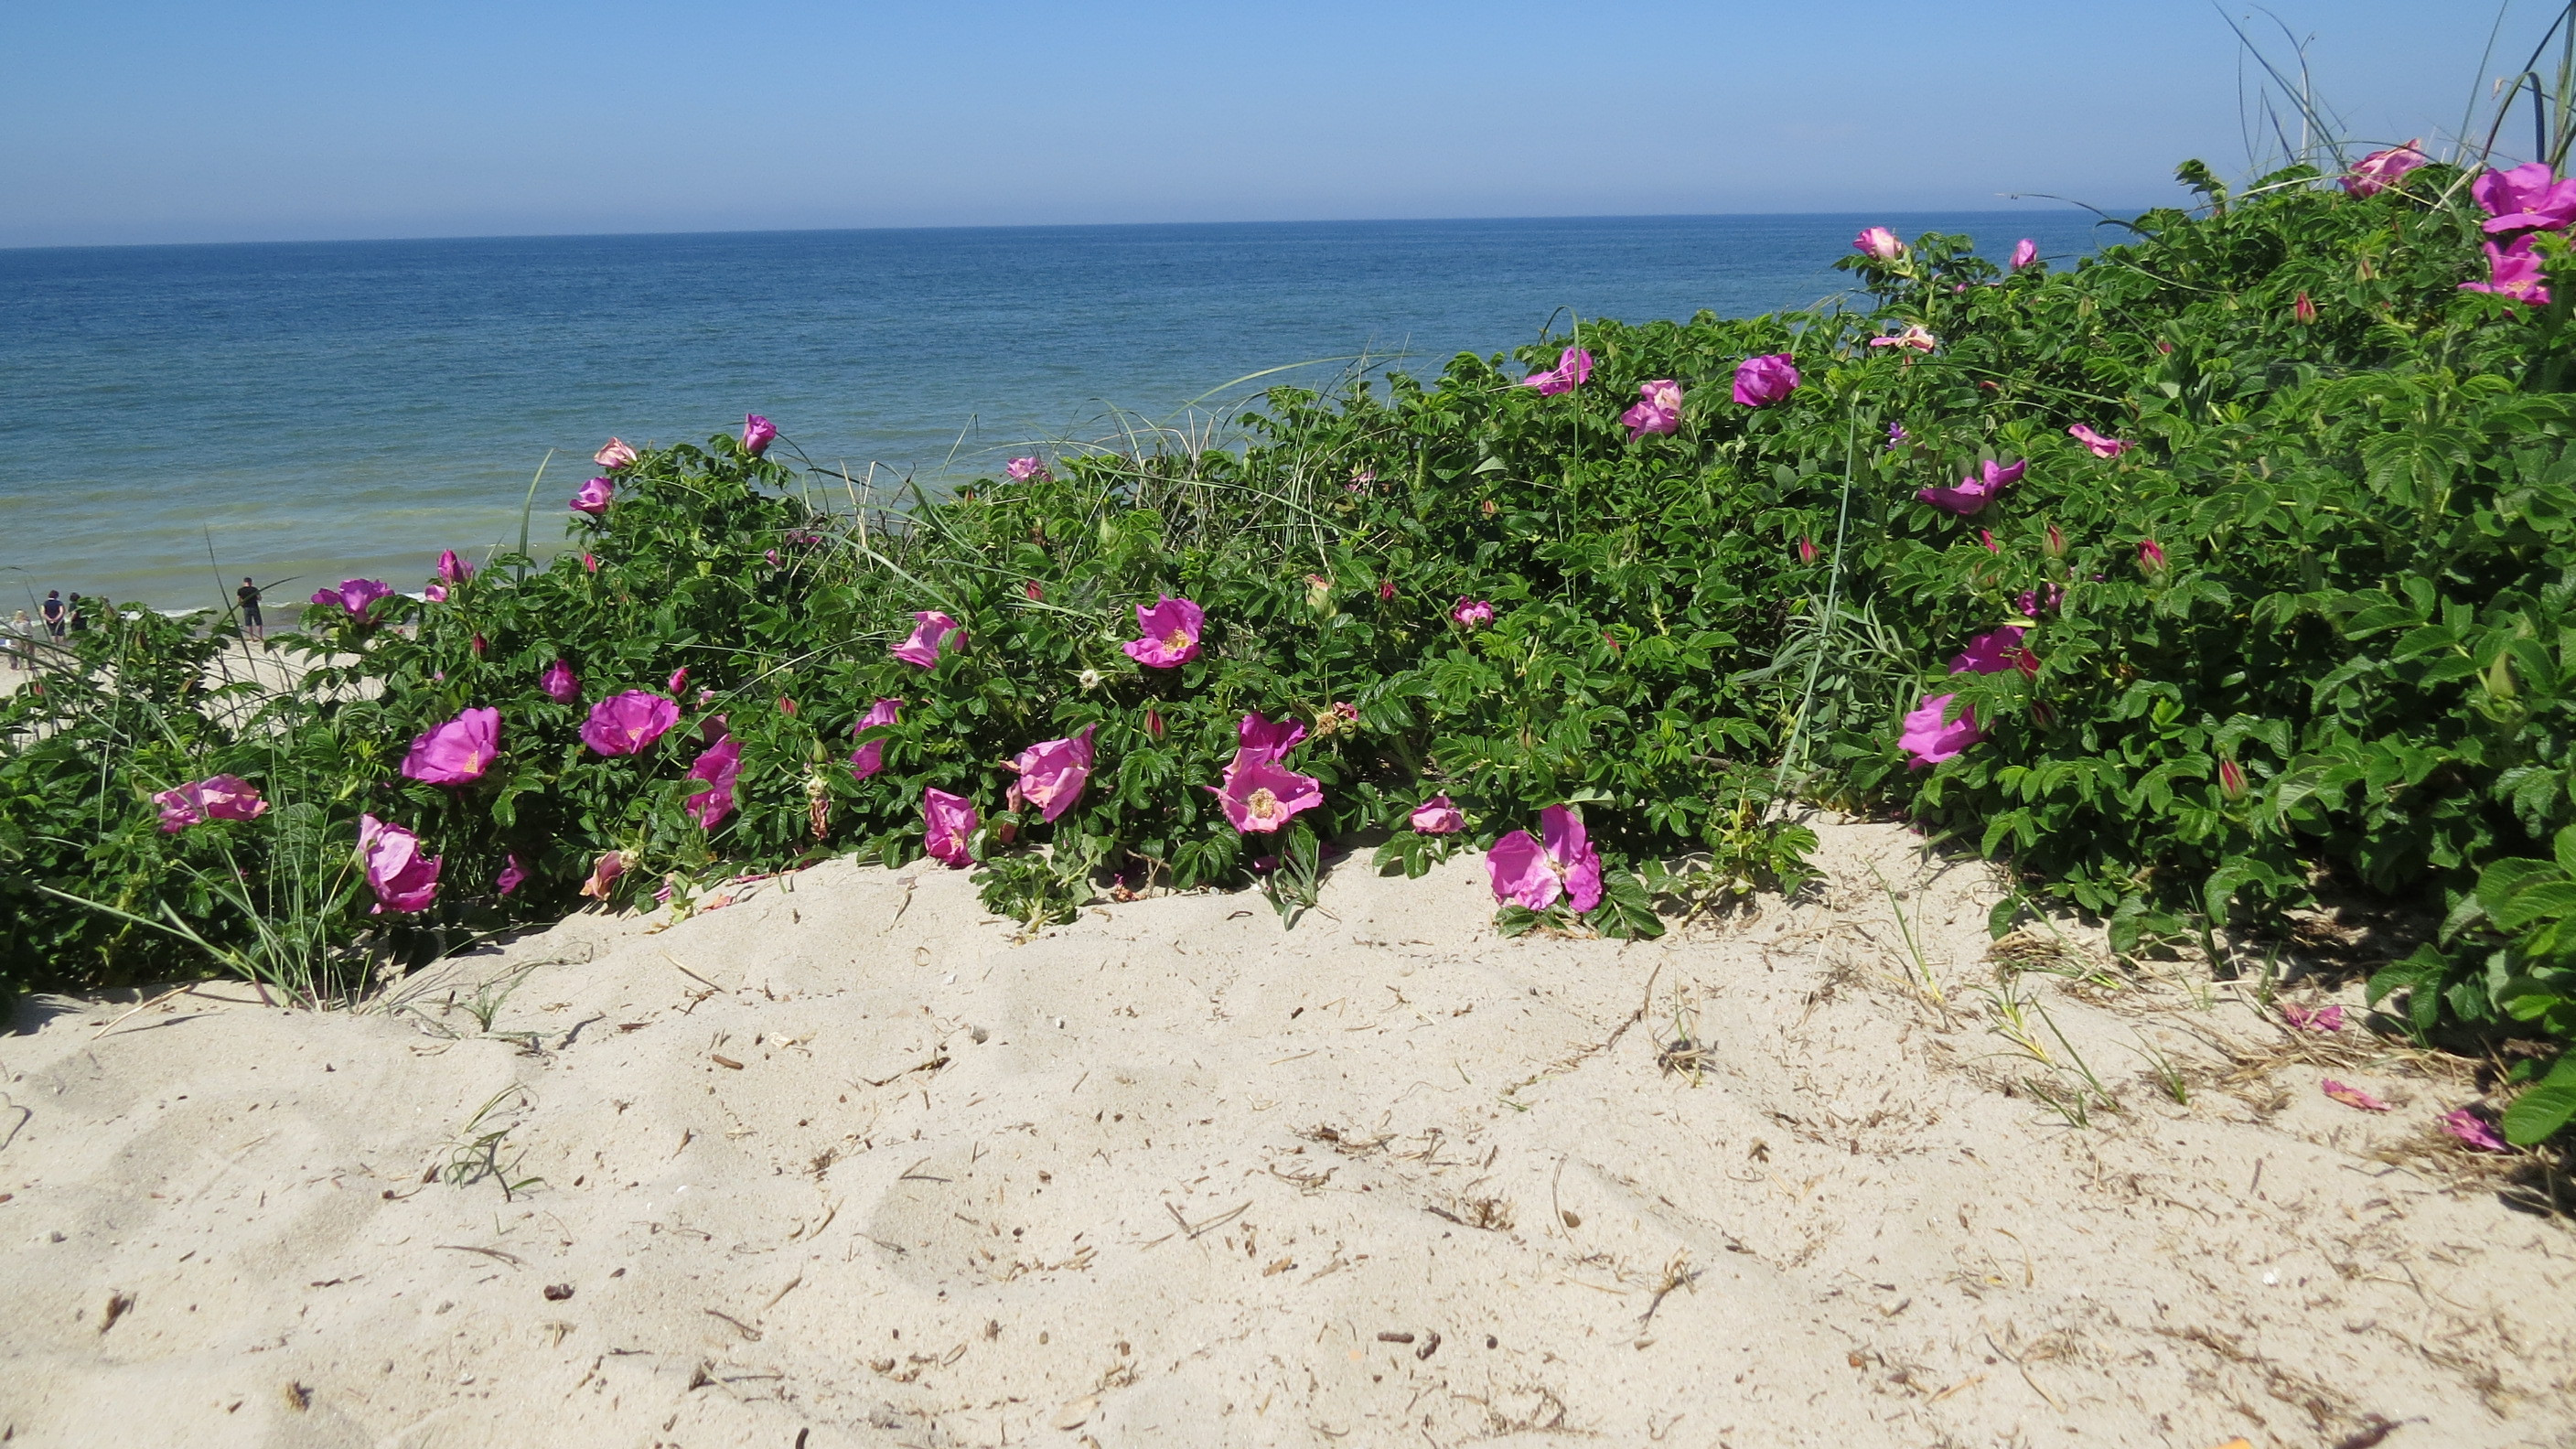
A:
(155, 120)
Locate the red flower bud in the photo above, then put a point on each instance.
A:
(2151, 557)
(1807, 551)
(1386, 590)
(1153, 722)
(478, 646)
(1031, 589)
(2056, 544)
(2231, 779)
(2304, 310)
(786, 705)
(1986, 536)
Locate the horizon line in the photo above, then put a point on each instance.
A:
(2104, 215)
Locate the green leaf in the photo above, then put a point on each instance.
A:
(2540, 1112)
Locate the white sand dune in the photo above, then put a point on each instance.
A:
(843, 1165)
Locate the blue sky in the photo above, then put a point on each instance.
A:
(151, 121)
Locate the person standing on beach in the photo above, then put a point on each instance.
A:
(78, 619)
(54, 614)
(22, 643)
(248, 594)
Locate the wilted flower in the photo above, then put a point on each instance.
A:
(614, 455)
(403, 879)
(1976, 490)
(457, 752)
(1659, 412)
(869, 758)
(2528, 198)
(2151, 557)
(951, 822)
(1022, 470)
(1052, 774)
(1171, 629)
(514, 873)
(628, 723)
(604, 874)
(930, 631)
(1260, 795)
(2231, 783)
(2321, 1019)
(1806, 550)
(1573, 369)
(2514, 271)
(1930, 738)
(594, 496)
(1995, 651)
(1437, 816)
(711, 802)
(1878, 244)
(1535, 873)
(1762, 381)
(354, 597)
(2351, 1096)
(2099, 445)
(1915, 338)
(1090, 679)
(2025, 253)
(2474, 1130)
(2380, 170)
(757, 434)
(217, 797)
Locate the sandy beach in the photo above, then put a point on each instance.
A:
(844, 1163)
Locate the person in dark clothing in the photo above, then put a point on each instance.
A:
(252, 626)
(55, 614)
(78, 620)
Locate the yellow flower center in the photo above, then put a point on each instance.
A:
(1176, 641)
(1261, 805)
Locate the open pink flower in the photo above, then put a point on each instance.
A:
(2352, 1096)
(217, 797)
(1915, 338)
(1976, 490)
(1261, 795)
(952, 822)
(2514, 271)
(514, 874)
(1659, 412)
(1022, 470)
(2025, 253)
(451, 569)
(594, 496)
(2321, 1019)
(1537, 872)
(1437, 816)
(614, 455)
(1930, 738)
(1258, 738)
(604, 874)
(457, 752)
(1878, 244)
(1472, 613)
(2474, 1130)
(2528, 198)
(434, 593)
(354, 597)
(559, 683)
(2380, 170)
(757, 434)
(628, 723)
(869, 758)
(1052, 774)
(711, 802)
(1995, 651)
(1171, 628)
(2099, 445)
(930, 631)
(1762, 381)
(1573, 369)
(403, 879)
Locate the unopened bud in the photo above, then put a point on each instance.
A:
(2500, 677)
(1807, 551)
(2231, 779)
(2056, 544)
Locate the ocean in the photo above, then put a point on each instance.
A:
(173, 418)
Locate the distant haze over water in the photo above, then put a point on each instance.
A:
(322, 410)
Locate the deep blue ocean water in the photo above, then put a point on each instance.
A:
(309, 411)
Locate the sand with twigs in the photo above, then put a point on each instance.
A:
(844, 1164)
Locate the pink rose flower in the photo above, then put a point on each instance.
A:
(1023, 470)
(1536, 873)
(1573, 369)
(1930, 738)
(1260, 795)
(514, 874)
(1878, 244)
(757, 434)
(1976, 490)
(1052, 774)
(628, 723)
(2380, 170)
(1472, 613)
(1437, 816)
(403, 879)
(1995, 651)
(1171, 628)
(217, 797)
(2025, 253)
(1257, 738)
(604, 874)
(594, 496)
(2151, 557)
(1915, 338)
(1660, 412)
(2528, 198)
(435, 593)
(2514, 271)
(559, 683)
(711, 802)
(930, 631)
(952, 822)
(354, 597)
(614, 455)
(2097, 444)
(869, 758)
(457, 752)
(451, 569)
(1762, 381)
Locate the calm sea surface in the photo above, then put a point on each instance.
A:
(307, 411)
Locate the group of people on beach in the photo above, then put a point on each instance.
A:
(60, 618)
